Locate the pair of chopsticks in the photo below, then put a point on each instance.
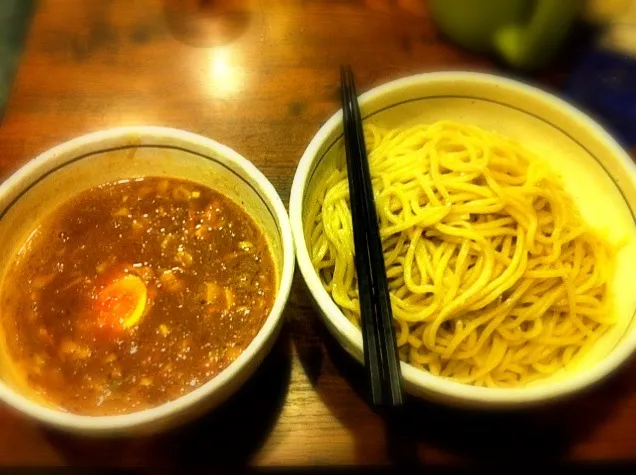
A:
(380, 350)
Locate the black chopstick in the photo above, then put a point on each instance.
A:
(380, 349)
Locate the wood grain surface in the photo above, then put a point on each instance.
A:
(261, 77)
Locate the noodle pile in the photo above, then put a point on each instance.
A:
(494, 278)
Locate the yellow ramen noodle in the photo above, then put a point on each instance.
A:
(495, 279)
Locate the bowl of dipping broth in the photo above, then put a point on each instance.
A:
(507, 221)
(143, 274)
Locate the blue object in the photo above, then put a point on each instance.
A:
(604, 83)
(14, 17)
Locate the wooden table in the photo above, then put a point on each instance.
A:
(262, 77)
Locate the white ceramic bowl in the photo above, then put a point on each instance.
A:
(597, 172)
(93, 159)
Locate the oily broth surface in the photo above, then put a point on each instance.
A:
(202, 262)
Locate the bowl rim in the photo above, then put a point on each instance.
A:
(24, 176)
(417, 381)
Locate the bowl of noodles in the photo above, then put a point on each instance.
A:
(508, 230)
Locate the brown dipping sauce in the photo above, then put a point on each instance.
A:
(135, 293)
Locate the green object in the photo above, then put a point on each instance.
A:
(524, 33)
